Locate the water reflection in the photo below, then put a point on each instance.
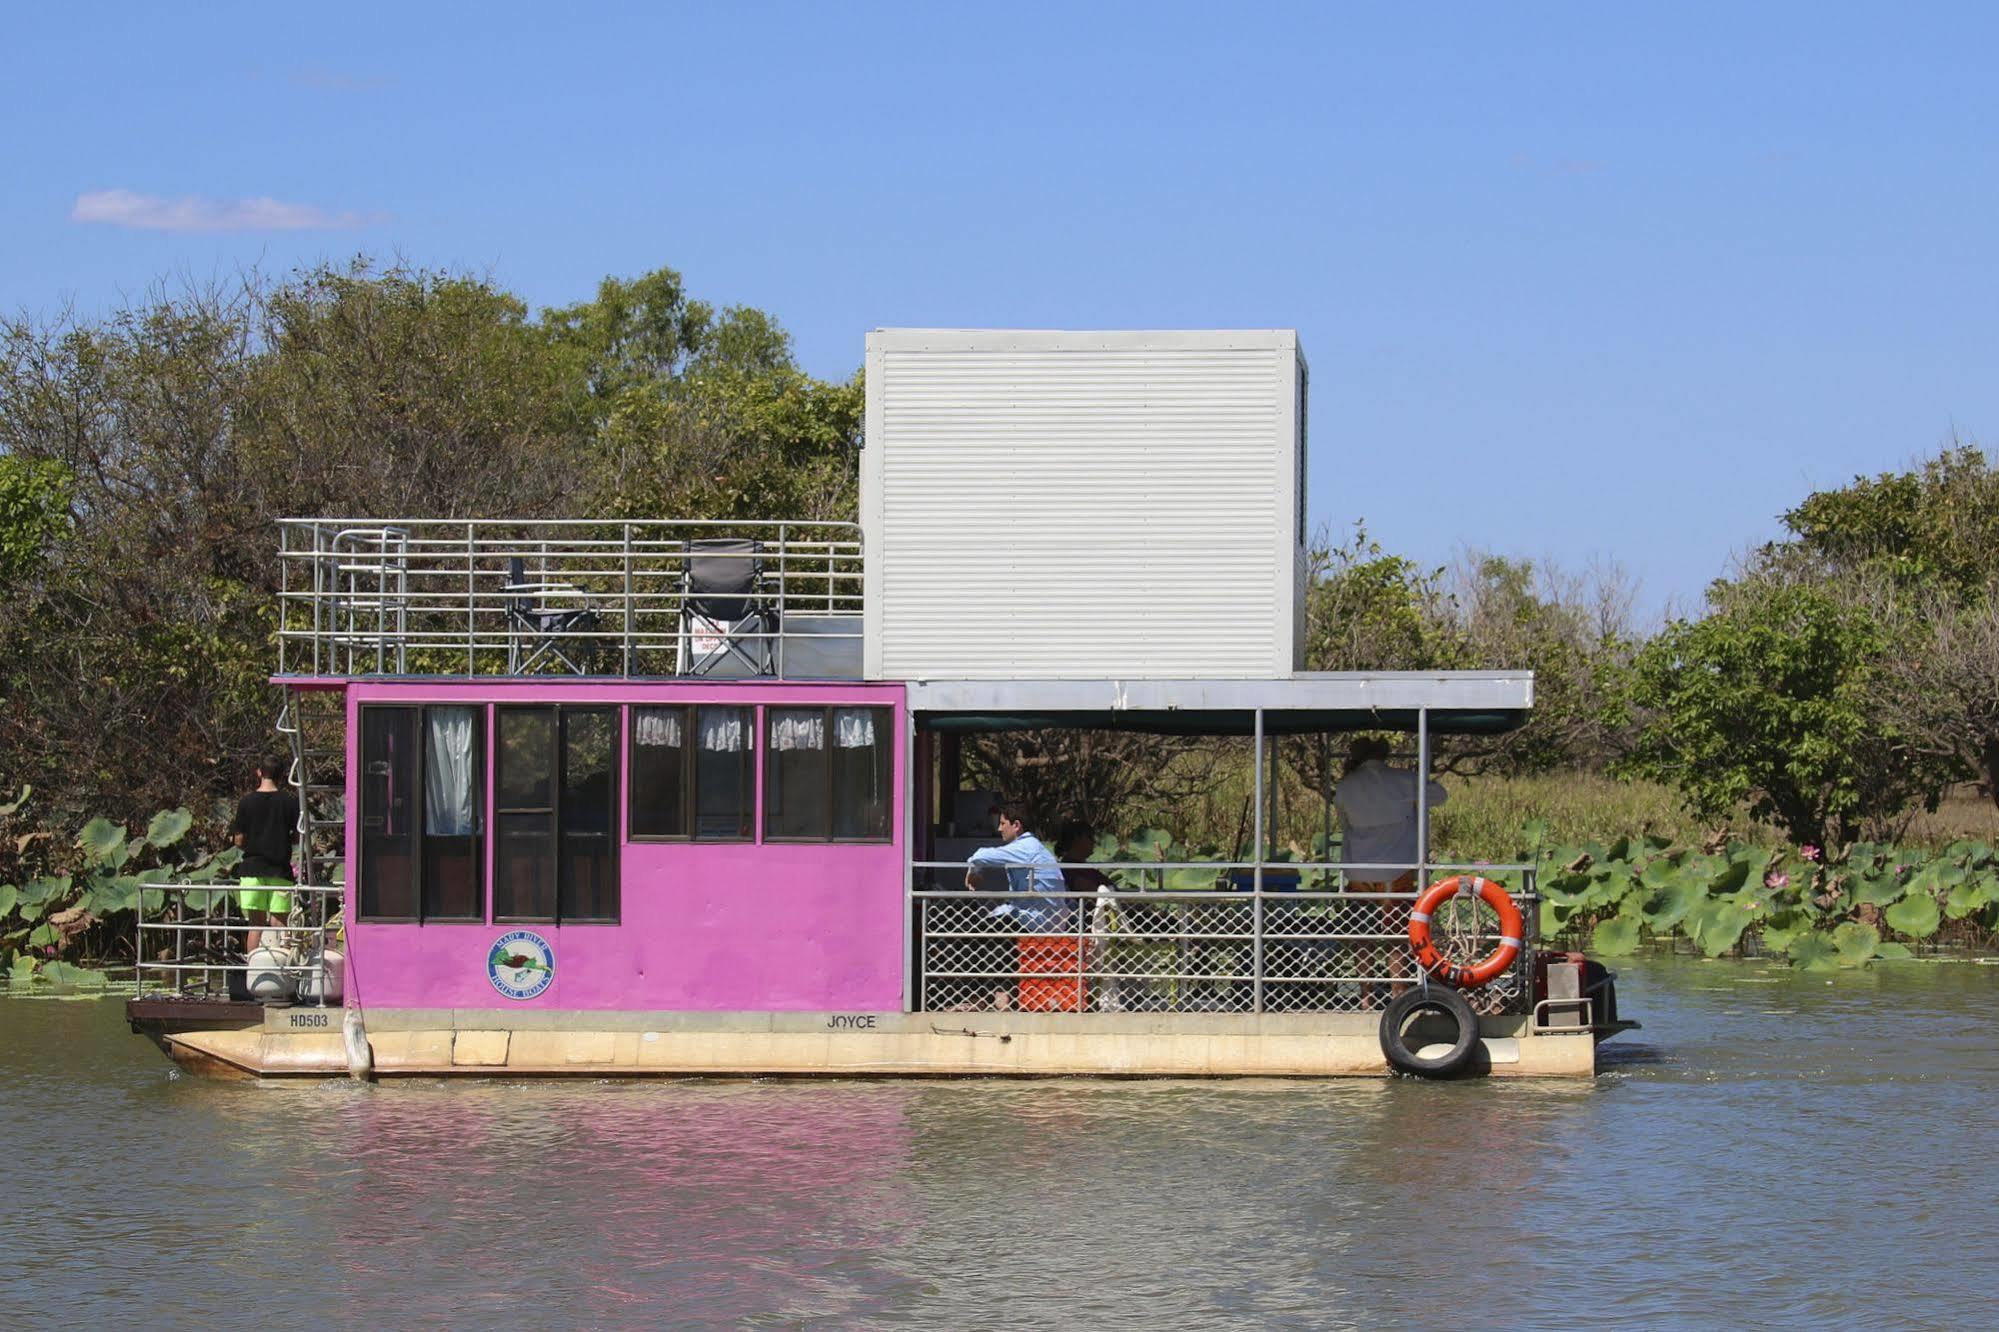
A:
(1774, 1150)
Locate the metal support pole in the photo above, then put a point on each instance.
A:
(471, 605)
(909, 802)
(1422, 798)
(626, 670)
(1256, 898)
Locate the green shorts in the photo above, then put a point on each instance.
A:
(256, 894)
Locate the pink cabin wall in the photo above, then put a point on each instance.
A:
(712, 927)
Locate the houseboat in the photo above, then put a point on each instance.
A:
(683, 797)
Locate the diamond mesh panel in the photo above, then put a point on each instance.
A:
(1187, 952)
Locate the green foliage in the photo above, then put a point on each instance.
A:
(1814, 952)
(1855, 942)
(35, 496)
(87, 911)
(1616, 937)
(168, 827)
(1916, 915)
(1742, 895)
(1936, 525)
(1766, 702)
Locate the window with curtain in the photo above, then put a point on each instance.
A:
(422, 830)
(555, 812)
(826, 774)
(691, 776)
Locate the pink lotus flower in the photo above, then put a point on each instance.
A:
(1776, 879)
(1809, 852)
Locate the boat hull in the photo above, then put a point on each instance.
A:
(495, 1043)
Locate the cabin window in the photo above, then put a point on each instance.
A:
(691, 775)
(555, 801)
(422, 825)
(826, 774)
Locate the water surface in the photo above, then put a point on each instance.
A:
(1773, 1150)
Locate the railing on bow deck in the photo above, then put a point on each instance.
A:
(581, 597)
(190, 938)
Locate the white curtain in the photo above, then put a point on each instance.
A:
(448, 803)
(721, 730)
(798, 730)
(854, 728)
(659, 730)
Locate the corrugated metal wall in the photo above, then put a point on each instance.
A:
(1082, 504)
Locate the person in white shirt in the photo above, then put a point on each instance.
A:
(1377, 807)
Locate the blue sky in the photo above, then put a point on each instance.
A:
(1575, 281)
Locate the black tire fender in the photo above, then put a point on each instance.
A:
(1413, 1003)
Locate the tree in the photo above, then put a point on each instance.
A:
(1935, 526)
(1940, 689)
(404, 393)
(1768, 700)
(34, 514)
(1367, 610)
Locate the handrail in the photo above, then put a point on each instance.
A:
(593, 596)
(210, 919)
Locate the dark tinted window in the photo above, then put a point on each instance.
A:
(723, 790)
(860, 759)
(389, 808)
(826, 774)
(524, 814)
(691, 773)
(423, 777)
(454, 798)
(659, 772)
(796, 790)
(588, 872)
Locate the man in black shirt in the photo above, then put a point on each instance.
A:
(266, 821)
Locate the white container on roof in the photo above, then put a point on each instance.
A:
(1073, 505)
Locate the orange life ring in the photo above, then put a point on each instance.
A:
(1512, 930)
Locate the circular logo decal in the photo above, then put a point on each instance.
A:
(521, 964)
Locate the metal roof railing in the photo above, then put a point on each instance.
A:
(579, 597)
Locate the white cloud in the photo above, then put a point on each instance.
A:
(150, 212)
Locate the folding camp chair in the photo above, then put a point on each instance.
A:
(546, 622)
(725, 608)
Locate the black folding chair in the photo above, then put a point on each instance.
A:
(541, 630)
(725, 585)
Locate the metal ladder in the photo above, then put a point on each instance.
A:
(314, 724)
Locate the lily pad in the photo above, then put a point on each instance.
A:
(9, 894)
(1892, 952)
(64, 973)
(1721, 926)
(1616, 937)
(1915, 915)
(1814, 952)
(1729, 876)
(1669, 902)
(170, 825)
(1878, 889)
(101, 839)
(1967, 898)
(1855, 943)
(1782, 927)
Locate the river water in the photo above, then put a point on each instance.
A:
(1773, 1149)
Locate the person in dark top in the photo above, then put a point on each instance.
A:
(266, 821)
(1074, 844)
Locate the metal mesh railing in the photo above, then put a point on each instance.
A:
(192, 936)
(499, 596)
(1134, 950)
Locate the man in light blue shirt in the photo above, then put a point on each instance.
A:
(1029, 868)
